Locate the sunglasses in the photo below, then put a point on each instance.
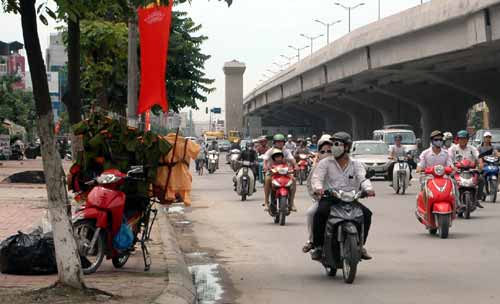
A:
(338, 143)
(437, 139)
(325, 152)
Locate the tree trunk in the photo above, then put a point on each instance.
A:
(72, 101)
(68, 261)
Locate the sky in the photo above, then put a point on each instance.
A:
(255, 32)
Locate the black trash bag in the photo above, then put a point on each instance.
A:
(28, 254)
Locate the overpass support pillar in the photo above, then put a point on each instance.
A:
(494, 107)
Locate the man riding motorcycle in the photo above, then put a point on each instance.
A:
(466, 151)
(435, 155)
(278, 143)
(250, 155)
(302, 148)
(339, 172)
(313, 146)
(396, 151)
(212, 147)
(290, 145)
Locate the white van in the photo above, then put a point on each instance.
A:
(409, 140)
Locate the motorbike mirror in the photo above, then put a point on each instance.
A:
(448, 170)
(370, 173)
(136, 169)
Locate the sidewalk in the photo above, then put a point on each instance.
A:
(22, 206)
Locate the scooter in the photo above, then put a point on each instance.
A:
(401, 175)
(467, 181)
(491, 171)
(344, 234)
(213, 159)
(304, 165)
(107, 211)
(282, 181)
(245, 180)
(436, 201)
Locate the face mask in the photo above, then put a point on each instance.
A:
(437, 143)
(448, 143)
(338, 149)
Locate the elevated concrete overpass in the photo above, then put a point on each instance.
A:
(425, 66)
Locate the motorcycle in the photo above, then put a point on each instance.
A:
(467, 181)
(213, 159)
(233, 159)
(106, 212)
(401, 175)
(32, 151)
(491, 171)
(304, 167)
(245, 180)
(17, 152)
(344, 234)
(282, 181)
(436, 201)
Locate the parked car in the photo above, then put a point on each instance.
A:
(373, 154)
(224, 145)
(477, 139)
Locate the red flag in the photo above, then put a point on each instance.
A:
(154, 29)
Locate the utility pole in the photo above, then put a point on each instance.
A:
(349, 9)
(311, 38)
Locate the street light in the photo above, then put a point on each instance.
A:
(328, 28)
(349, 9)
(312, 38)
(298, 50)
(280, 66)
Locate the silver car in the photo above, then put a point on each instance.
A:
(373, 154)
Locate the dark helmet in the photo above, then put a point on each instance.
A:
(342, 137)
(398, 137)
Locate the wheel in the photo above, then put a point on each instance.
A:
(433, 231)
(468, 205)
(84, 231)
(301, 177)
(243, 197)
(493, 190)
(398, 188)
(120, 261)
(402, 184)
(283, 210)
(277, 219)
(444, 225)
(351, 258)
(331, 271)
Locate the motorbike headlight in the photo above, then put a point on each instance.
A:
(348, 196)
(283, 171)
(107, 179)
(276, 183)
(439, 170)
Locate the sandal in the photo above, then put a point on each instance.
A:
(307, 247)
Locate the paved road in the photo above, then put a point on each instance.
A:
(265, 263)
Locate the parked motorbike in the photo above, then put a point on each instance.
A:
(17, 152)
(213, 159)
(106, 210)
(436, 201)
(245, 180)
(344, 234)
(32, 151)
(282, 181)
(304, 167)
(467, 181)
(491, 171)
(401, 175)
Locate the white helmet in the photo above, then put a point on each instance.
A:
(325, 138)
(447, 135)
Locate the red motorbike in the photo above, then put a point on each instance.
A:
(467, 178)
(97, 223)
(436, 201)
(304, 164)
(282, 181)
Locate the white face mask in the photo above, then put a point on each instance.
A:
(337, 150)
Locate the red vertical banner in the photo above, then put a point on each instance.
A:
(154, 30)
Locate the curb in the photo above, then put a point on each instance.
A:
(180, 288)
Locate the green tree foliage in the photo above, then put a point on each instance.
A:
(17, 105)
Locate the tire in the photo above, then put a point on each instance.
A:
(283, 211)
(243, 197)
(277, 219)
(398, 188)
(120, 261)
(402, 184)
(301, 177)
(433, 231)
(493, 190)
(244, 190)
(444, 225)
(351, 258)
(467, 203)
(83, 231)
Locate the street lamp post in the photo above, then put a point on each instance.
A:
(312, 38)
(328, 28)
(298, 50)
(349, 9)
(288, 58)
(280, 66)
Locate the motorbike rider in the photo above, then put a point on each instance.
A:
(235, 145)
(261, 145)
(448, 140)
(338, 172)
(212, 147)
(313, 146)
(325, 150)
(486, 147)
(301, 149)
(290, 145)
(278, 143)
(396, 151)
(435, 155)
(250, 155)
(469, 152)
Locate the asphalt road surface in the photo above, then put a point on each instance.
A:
(264, 263)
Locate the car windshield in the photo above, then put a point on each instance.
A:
(370, 149)
(224, 143)
(408, 138)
